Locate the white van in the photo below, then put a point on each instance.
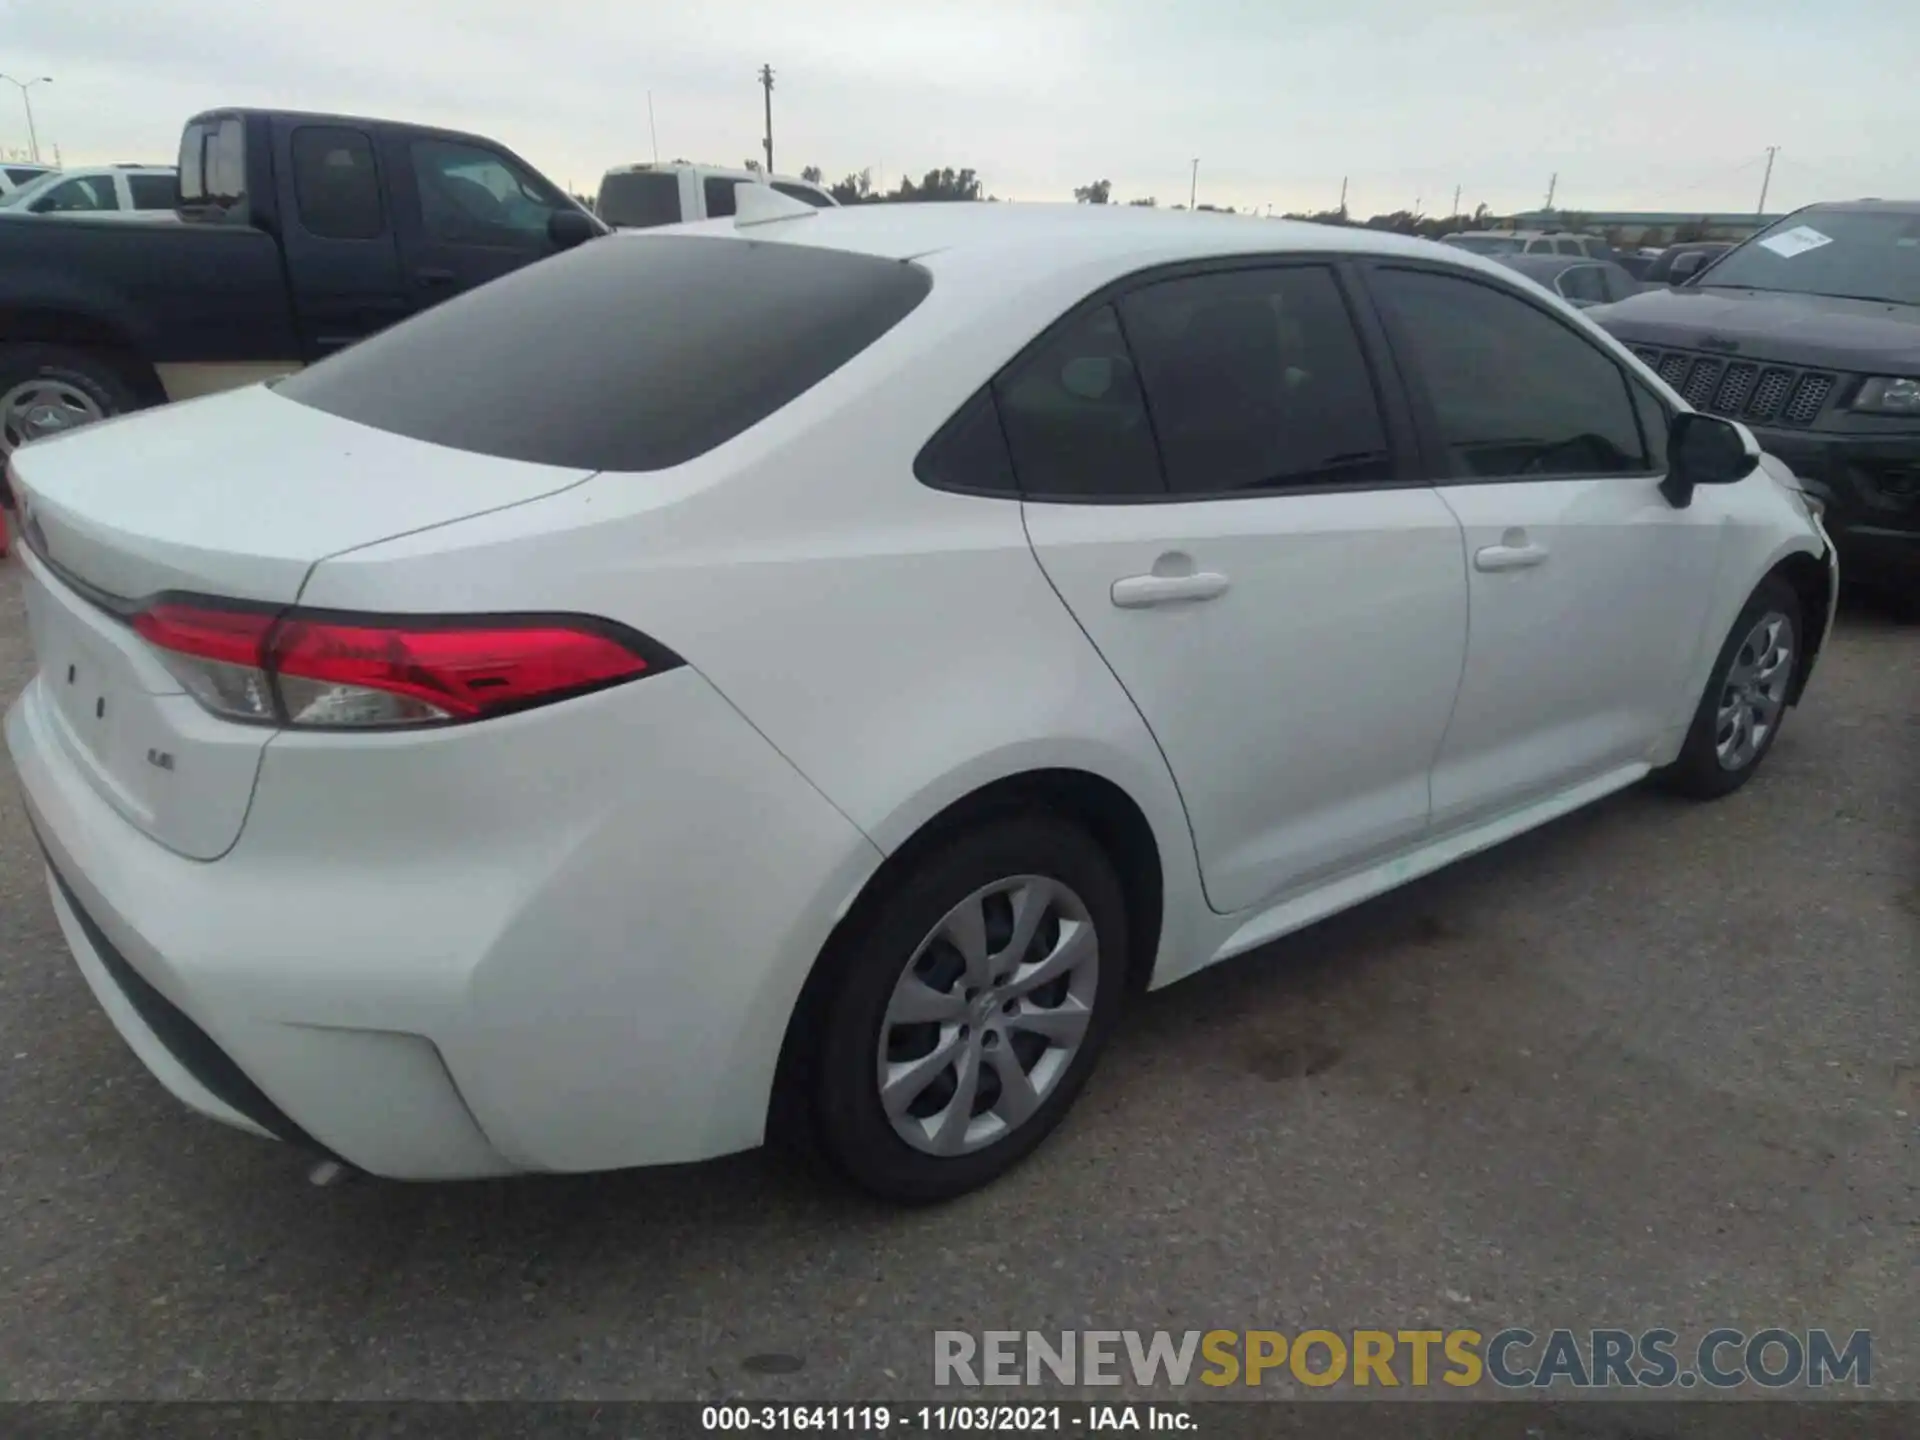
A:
(637, 197)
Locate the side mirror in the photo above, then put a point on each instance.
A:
(1686, 266)
(1706, 450)
(568, 228)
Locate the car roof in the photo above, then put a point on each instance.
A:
(1051, 238)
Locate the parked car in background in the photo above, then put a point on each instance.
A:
(14, 175)
(1529, 242)
(609, 849)
(120, 192)
(638, 197)
(1679, 263)
(300, 235)
(1810, 333)
(1578, 281)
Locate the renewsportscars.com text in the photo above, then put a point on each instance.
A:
(1510, 1359)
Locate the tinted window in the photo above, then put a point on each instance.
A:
(78, 196)
(634, 353)
(151, 192)
(1583, 282)
(1485, 244)
(1863, 254)
(720, 196)
(335, 183)
(640, 199)
(970, 452)
(1255, 378)
(478, 197)
(807, 193)
(1074, 418)
(21, 174)
(1514, 391)
(1568, 247)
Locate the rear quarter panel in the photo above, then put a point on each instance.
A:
(900, 645)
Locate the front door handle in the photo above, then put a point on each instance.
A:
(433, 276)
(1509, 557)
(1138, 592)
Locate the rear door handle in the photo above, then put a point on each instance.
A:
(1509, 557)
(1138, 592)
(434, 277)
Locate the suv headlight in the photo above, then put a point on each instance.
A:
(1889, 395)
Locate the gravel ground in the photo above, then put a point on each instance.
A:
(1655, 1065)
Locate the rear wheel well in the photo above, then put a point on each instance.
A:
(28, 326)
(1101, 808)
(1812, 582)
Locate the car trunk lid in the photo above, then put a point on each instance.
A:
(235, 497)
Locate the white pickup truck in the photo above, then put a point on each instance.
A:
(636, 197)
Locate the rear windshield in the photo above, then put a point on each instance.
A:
(629, 353)
(213, 164)
(639, 199)
(1485, 244)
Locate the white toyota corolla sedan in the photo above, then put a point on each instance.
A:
(799, 675)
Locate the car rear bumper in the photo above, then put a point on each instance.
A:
(582, 957)
(1871, 489)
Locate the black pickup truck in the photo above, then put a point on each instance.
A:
(299, 235)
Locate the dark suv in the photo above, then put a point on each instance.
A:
(1809, 333)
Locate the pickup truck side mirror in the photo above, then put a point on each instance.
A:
(1686, 266)
(1706, 450)
(568, 228)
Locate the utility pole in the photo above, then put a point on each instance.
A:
(1456, 200)
(1343, 196)
(1193, 186)
(652, 129)
(1767, 179)
(1552, 185)
(766, 83)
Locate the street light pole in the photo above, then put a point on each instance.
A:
(1193, 187)
(33, 139)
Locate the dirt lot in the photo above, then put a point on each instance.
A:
(1657, 1065)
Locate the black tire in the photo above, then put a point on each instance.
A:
(850, 1127)
(96, 375)
(1699, 771)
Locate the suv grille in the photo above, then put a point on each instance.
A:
(1741, 389)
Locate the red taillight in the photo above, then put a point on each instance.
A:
(330, 670)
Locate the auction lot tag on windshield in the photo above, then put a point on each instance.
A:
(1797, 241)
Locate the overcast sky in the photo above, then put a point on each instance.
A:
(1636, 104)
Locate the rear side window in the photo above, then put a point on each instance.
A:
(1074, 417)
(803, 192)
(628, 353)
(1569, 247)
(639, 199)
(719, 196)
(213, 163)
(970, 452)
(1255, 380)
(335, 183)
(1514, 391)
(151, 192)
